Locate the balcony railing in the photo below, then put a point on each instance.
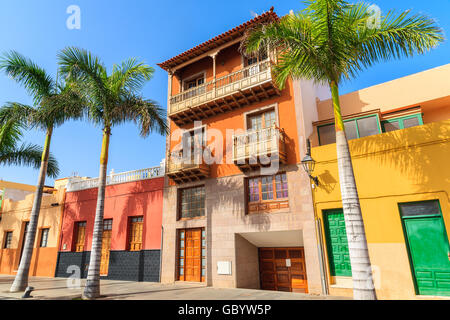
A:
(250, 147)
(76, 184)
(252, 76)
(185, 168)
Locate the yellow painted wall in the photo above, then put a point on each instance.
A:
(400, 166)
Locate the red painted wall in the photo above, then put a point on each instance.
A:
(138, 198)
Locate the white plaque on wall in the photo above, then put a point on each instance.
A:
(224, 267)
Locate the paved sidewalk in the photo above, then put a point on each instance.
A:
(57, 289)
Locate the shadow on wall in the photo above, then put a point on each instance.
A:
(121, 202)
(229, 198)
(419, 153)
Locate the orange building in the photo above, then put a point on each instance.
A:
(237, 205)
(15, 216)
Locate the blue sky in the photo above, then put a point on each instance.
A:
(153, 31)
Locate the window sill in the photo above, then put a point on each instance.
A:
(267, 206)
(189, 219)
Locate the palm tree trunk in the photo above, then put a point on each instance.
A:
(92, 289)
(363, 288)
(21, 280)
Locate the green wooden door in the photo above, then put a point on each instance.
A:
(337, 244)
(428, 251)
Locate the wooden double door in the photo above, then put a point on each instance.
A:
(283, 269)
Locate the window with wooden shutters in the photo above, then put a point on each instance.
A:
(135, 233)
(80, 236)
(267, 192)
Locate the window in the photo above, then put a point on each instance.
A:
(421, 208)
(44, 237)
(8, 240)
(402, 123)
(354, 129)
(262, 120)
(254, 62)
(107, 224)
(80, 232)
(192, 202)
(135, 233)
(189, 86)
(194, 83)
(268, 188)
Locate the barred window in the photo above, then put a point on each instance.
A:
(44, 237)
(192, 202)
(107, 224)
(8, 240)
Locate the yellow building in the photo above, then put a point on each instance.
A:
(15, 216)
(400, 147)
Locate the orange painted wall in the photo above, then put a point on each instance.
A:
(43, 261)
(138, 198)
(233, 120)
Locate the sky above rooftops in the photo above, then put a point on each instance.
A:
(153, 31)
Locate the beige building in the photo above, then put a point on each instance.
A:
(15, 217)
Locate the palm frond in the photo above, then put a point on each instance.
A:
(331, 40)
(17, 112)
(81, 66)
(130, 76)
(35, 80)
(10, 135)
(146, 114)
(29, 155)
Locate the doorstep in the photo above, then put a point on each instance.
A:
(342, 282)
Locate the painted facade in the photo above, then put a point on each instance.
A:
(403, 183)
(132, 227)
(14, 218)
(215, 232)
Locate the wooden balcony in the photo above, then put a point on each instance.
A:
(238, 89)
(255, 148)
(182, 170)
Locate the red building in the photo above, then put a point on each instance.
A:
(131, 229)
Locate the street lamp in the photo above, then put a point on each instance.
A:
(309, 163)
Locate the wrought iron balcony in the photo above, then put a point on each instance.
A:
(256, 148)
(182, 168)
(238, 89)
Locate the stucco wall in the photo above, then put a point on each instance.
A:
(14, 215)
(138, 198)
(225, 217)
(400, 166)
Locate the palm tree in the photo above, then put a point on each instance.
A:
(114, 99)
(53, 105)
(331, 41)
(25, 154)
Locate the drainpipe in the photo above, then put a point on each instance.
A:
(318, 229)
(160, 253)
(321, 257)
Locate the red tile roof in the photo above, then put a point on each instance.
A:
(208, 45)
